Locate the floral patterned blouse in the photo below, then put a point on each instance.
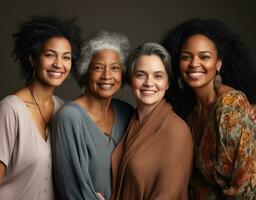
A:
(225, 159)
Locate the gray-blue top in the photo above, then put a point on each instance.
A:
(82, 153)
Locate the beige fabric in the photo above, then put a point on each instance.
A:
(25, 153)
(153, 161)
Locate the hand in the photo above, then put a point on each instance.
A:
(100, 196)
(253, 112)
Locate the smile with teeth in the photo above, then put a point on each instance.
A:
(147, 92)
(195, 75)
(54, 74)
(105, 86)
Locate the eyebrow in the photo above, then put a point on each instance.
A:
(155, 72)
(188, 52)
(67, 52)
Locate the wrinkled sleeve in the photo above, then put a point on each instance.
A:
(235, 168)
(8, 132)
(70, 158)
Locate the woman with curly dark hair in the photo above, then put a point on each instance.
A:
(46, 48)
(215, 76)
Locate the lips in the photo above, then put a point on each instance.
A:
(54, 74)
(195, 75)
(105, 86)
(147, 92)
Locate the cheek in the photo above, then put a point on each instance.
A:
(182, 66)
(68, 66)
(119, 76)
(136, 83)
(163, 85)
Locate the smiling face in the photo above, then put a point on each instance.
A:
(149, 80)
(199, 62)
(104, 74)
(54, 62)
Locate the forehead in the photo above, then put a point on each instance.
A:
(57, 44)
(150, 63)
(106, 54)
(199, 42)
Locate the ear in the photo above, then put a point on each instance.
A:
(219, 64)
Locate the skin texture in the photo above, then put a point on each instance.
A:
(54, 62)
(105, 74)
(149, 82)
(199, 62)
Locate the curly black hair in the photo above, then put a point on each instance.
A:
(32, 35)
(238, 68)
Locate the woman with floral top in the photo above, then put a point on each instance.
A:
(215, 76)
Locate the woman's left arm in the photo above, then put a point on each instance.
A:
(235, 164)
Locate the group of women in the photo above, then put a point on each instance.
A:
(192, 135)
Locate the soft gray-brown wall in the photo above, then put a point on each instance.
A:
(141, 21)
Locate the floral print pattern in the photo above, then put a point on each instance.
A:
(225, 160)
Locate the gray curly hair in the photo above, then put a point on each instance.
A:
(101, 40)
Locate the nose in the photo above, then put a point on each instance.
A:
(57, 62)
(149, 81)
(194, 62)
(106, 74)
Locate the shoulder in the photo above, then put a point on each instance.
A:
(10, 104)
(176, 126)
(233, 99)
(58, 102)
(69, 111)
(176, 122)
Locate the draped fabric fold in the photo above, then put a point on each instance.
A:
(136, 162)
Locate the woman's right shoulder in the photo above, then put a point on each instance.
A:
(69, 110)
(10, 102)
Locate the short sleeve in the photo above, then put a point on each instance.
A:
(8, 132)
(235, 164)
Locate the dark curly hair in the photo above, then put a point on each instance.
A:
(33, 33)
(237, 71)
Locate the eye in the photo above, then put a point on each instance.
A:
(185, 57)
(97, 68)
(140, 75)
(49, 55)
(115, 68)
(67, 58)
(205, 57)
(159, 76)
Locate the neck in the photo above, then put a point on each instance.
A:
(42, 93)
(96, 105)
(205, 97)
(144, 110)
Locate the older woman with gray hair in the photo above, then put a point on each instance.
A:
(149, 162)
(88, 129)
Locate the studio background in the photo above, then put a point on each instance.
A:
(141, 20)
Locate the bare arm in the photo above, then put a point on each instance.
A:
(2, 171)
